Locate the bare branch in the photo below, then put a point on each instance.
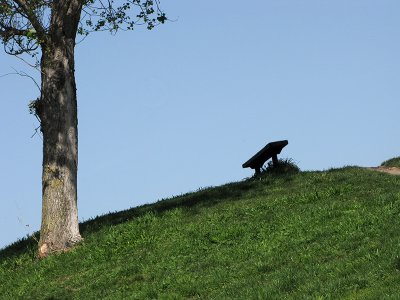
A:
(35, 66)
(37, 132)
(23, 74)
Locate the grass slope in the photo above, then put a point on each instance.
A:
(393, 162)
(314, 235)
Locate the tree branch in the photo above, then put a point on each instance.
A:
(40, 31)
(22, 74)
(7, 32)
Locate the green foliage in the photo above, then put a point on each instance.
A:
(19, 26)
(310, 235)
(393, 162)
(121, 15)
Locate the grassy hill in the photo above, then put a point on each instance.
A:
(313, 235)
(393, 162)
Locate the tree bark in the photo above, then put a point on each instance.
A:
(57, 109)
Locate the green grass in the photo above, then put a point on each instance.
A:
(311, 235)
(393, 162)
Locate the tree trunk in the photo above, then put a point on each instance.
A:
(57, 109)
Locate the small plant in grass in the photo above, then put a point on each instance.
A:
(284, 166)
(393, 162)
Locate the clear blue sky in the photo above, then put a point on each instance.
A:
(183, 106)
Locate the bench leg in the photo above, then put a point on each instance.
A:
(275, 160)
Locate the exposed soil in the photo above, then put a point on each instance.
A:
(389, 170)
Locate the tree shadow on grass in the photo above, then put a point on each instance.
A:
(202, 198)
(25, 245)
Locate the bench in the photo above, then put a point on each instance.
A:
(271, 150)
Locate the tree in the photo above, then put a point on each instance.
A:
(50, 28)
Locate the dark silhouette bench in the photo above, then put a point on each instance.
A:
(271, 150)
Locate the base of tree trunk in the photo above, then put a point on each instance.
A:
(46, 249)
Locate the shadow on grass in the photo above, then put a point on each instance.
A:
(202, 198)
(26, 244)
